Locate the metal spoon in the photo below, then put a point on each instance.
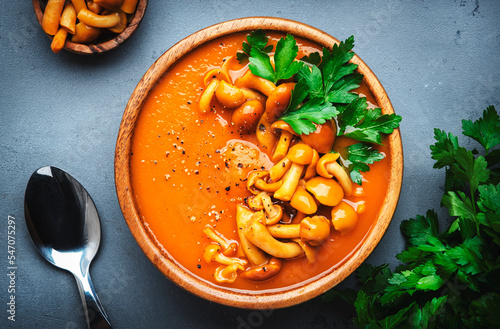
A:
(64, 225)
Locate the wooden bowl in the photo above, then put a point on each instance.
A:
(169, 267)
(105, 43)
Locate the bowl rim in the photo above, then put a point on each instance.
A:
(171, 269)
(98, 48)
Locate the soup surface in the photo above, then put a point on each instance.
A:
(189, 170)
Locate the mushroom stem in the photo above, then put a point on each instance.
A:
(251, 81)
(228, 249)
(290, 182)
(298, 217)
(338, 172)
(254, 255)
(328, 167)
(253, 177)
(208, 94)
(265, 135)
(282, 147)
(274, 212)
(212, 252)
(279, 169)
(268, 187)
(282, 231)
(311, 168)
(308, 250)
(258, 234)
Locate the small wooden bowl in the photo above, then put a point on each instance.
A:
(105, 44)
(173, 270)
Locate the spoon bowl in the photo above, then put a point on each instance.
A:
(64, 226)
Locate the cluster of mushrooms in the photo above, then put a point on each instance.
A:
(284, 217)
(84, 21)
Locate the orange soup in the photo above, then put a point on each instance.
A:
(190, 170)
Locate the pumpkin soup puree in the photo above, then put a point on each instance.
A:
(190, 169)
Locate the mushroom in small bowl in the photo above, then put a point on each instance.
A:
(89, 27)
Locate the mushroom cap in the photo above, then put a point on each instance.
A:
(278, 100)
(253, 176)
(219, 74)
(247, 115)
(323, 162)
(311, 168)
(228, 95)
(344, 217)
(303, 201)
(255, 202)
(322, 139)
(227, 273)
(326, 190)
(301, 154)
(282, 125)
(314, 230)
(264, 271)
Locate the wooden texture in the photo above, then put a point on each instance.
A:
(161, 259)
(104, 45)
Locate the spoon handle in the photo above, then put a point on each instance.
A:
(94, 312)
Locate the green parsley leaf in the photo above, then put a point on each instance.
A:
(313, 58)
(419, 230)
(332, 64)
(284, 58)
(423, 317)
(261, 64)
(443, 151)
(365, 125)
(311, 79)
(485, 311)
(334, 77)
(486, 130)
(340, 92)
(316, 111)
(359, 156)
(470, 169)
(285, 65)
(256, 39)
(459, 205)
(489, 204)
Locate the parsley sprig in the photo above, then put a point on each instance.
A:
(285, 65)
(324, 91)
(359, 157)
(366, 125)
(256, 39)
(319, 87)
(447, 279)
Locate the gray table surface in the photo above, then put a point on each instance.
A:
(438, 60)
